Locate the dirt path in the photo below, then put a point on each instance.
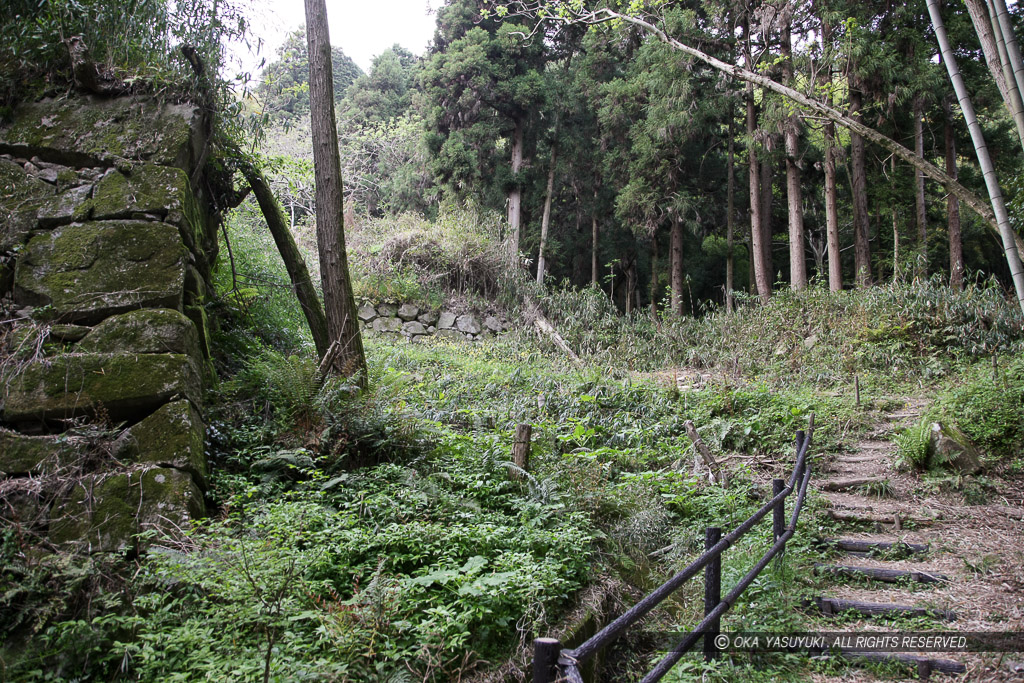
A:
(976, 552)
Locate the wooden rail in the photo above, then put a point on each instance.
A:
(552, 662)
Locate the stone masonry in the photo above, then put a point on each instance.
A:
(106, 245)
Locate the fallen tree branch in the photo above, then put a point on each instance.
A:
(717, 475)
(542, 325)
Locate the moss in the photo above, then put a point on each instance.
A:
(197, 314)
(91, 271)
(20, 454)
(173, 436)
(82, 131)
(158, 190)
(17, 186)
(159, 330)
(100, 514)
(124, 386)
(168, 494)
(65, 207)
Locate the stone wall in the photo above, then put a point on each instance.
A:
(415, 323)
(106, 245)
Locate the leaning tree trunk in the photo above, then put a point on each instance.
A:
(339, 304)
(761, 279)
(1001, 72)
(981, 149)
(305, 292)
(861, 246)
(956, 246)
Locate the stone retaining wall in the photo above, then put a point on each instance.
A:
(414, 323)
(106, 245)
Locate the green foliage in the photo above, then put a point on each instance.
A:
(987, 407)
(913, 446)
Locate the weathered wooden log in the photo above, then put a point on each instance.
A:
(879, 574)
(929, 663)
(847, 484)
(895, 519)
(716, 470)
(521, 450)
(852, 545)
(831, 606)
(1013, 513)
(542, 325)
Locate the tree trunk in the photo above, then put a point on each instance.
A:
(920, 208)
(797, 262)
(981, 149)
(972, 200)
(861, 248)
(546, 220)
(339, 304)
(515, 195)
(835, 264)
(767, 196)
(676, 265)
(305, 292)
(730, 211)
(894, 215)
(956, 247)
(980, 17)
(757, 249)
(654, 273)
(593, 243)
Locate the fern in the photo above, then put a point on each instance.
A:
(913, 446)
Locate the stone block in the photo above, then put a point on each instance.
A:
(105, 512)
(66, 207)
(446, 321)
(148, 190)
(94, 131)
(492, 324)
(87, 272)
(125, 386)
(429, 318)
(367, 313)
(467, 324)
(408, 312)
(151, 330)
(393, 325)
(450, 334)
(951, 447)
(387, 311)
(173, 436)
(413, 328)
(197, 314)
(21, 454)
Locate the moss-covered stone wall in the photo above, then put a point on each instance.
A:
(106, 246)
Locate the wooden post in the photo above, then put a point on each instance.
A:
(779, 511)
(545, 659)
(712, 591)
(521, 449)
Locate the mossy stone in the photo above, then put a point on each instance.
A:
(91, 131)
(150, 330)
(951, 447)
(173, 436)
(197, 314)
(105, 512)
(99, 515)
(21, 454)
(69, 333)
(150, 189)
(66, 207)
(125, 386)
(87, 272)
(21, 195)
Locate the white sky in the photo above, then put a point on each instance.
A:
(362, 28)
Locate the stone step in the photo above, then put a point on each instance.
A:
(880, 574)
